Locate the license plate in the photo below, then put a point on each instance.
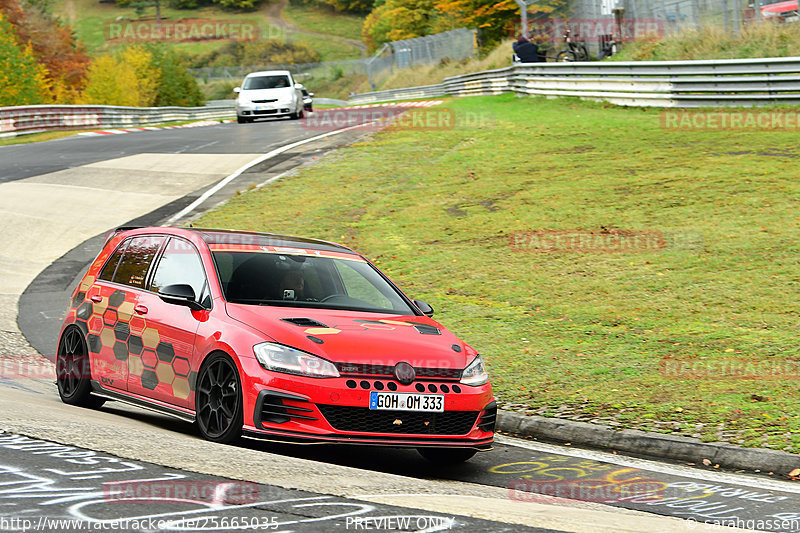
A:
(401, 401)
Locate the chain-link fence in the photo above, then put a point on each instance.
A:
(455, 44)
(595, 22)
(671, 15)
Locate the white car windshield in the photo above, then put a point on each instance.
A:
(265, 82)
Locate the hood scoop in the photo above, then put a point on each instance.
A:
(425, 329)
(305, 322)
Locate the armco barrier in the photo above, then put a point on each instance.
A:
(27, 119)
(707, 83)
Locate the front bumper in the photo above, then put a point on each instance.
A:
(312, 411)
(263, 110)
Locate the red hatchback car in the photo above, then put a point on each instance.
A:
(270, 336)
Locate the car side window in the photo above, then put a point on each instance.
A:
(110, 267)
(135, 262)
(181, 264)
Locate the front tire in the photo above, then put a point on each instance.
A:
(73, 371)
(218, 400)
(447, 456)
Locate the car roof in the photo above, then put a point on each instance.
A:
(225, 236)
(217, 236)
(270, 73)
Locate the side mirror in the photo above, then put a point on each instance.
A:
(310, 94)
(298, 85)
(425, 307)
(237, 89)
(180, 294)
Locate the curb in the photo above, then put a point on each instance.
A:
(657, 445)
(121, 131)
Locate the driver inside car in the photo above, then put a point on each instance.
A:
(292, 285)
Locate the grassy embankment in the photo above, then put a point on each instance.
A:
(90, 18)
(576, 332)
(713, 42)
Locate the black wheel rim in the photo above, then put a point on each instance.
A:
(71, 362)
(217, 397)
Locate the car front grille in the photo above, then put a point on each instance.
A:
(355, 369)
(363, 419)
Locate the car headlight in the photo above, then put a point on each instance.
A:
(475, 373)
(279, 358)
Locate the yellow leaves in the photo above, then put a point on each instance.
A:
(23, 81)
(125, 79)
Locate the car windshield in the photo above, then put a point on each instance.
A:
(325, 281)
(265, 82)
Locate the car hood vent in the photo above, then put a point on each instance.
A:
(265, 101)
(305, 322)
(425, 329)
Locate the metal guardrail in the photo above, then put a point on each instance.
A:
(28, 119)
(707, 83)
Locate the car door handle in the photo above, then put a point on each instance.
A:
(140, 309)
(97, 298)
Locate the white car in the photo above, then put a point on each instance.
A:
(272, 93)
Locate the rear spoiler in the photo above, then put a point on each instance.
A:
(112, 233)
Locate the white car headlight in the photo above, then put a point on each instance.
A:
(475, 373)
(279, 358)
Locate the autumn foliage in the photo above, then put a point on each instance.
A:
(22, 80)
(393, 20)
(53, 46)
(141, 76)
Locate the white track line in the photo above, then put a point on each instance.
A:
(644, 464)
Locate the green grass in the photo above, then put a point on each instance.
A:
(52, 135)
(764, 39)
(329, 49)
(37, 137)
(324, 19)
(89, 20)
(571, 332)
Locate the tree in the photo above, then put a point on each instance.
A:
(176, 85)
(23, 81)
(125, 79)
(398, 19)
(53, 45)
(347, 6)
(494, 19)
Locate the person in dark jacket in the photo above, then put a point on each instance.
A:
(527, 51)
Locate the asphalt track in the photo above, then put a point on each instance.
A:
(45, 486)
(27, 160)
(527, 483)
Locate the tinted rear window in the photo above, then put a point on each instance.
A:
(111, 265)
(132, 269)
